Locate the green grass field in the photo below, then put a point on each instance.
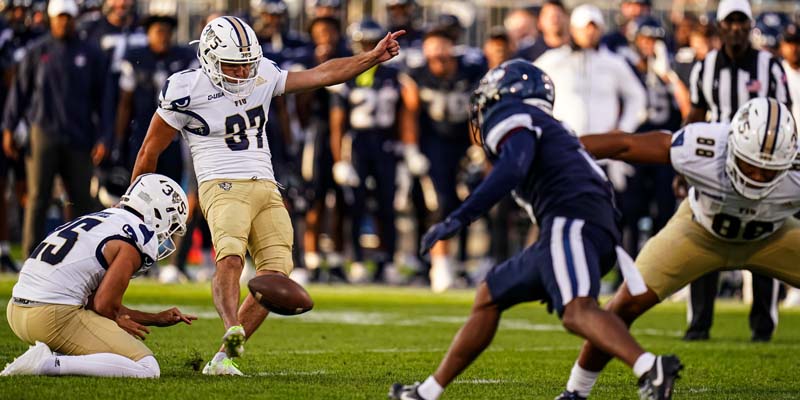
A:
(358, 340)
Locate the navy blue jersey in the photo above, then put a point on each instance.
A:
(144, 74)
(444, 103)
(662, 109)
(563, 180)
(372, 104)
(286, 48)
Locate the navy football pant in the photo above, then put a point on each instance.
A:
(566, 262)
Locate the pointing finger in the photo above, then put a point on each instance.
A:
(397, 34)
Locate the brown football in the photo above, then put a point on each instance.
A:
(280, 295)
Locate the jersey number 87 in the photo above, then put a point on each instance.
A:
(236, 127)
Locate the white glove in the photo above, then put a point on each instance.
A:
(618, 174)
(345, 175)
(417, 163)
(660, 62)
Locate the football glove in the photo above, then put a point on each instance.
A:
(441, 231)
(417, 163)
(345, 175)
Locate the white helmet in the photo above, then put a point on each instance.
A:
(229, 40)
(762, 134)
(163, 206)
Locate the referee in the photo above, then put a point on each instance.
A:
(721, 82)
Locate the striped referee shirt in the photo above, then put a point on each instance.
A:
(720, 85)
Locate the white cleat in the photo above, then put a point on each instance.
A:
(30, 362)
(233, 340)
(222, 368)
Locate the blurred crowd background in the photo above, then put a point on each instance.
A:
(365, 172)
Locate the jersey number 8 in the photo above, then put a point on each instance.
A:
(730, 227)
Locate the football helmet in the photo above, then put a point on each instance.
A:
(163, 206)
(365, 32)
(275, 7)
(229, 40)
(762, 134)
(514, 79)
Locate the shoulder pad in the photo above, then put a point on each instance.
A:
(176, 92)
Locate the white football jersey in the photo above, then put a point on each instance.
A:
(226, 137)
(69, 264)
(699, 152)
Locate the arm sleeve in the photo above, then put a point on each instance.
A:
(515, 160)
(634, 98)
(696, 86)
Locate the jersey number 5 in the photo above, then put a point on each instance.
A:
(53, 254)
(236, 129)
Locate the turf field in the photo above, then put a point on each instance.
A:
(358, 340)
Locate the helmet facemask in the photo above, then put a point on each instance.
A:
(762, 136)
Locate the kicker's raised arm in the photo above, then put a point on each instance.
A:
(648, 148)
(339, 70)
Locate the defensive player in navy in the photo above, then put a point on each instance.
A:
(221, 110)
(441, 89)
(738, 213)
(68, 300)
(364, 119)
(560, 185)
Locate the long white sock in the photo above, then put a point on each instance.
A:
(643, 364)
(430, 389)
(581, 380)
(101, 364)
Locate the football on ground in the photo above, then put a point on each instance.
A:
(280, 295)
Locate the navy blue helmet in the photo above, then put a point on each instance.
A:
(393, 3)
(328, 3)
(767, 31)
(365, 32)
(514, 80)
(648, 26)
(274, 7)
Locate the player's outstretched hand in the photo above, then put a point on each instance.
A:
(136, 329)
(441, 231)
(173, 316)
(388, 47)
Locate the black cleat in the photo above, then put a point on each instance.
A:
(695, 336)
(761, 337)
(398, 391)
(8, 264)
(567, 395)
(657, 383)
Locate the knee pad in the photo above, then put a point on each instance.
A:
(150, 364)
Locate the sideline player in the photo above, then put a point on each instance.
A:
(558, 183)
(364, 124)
(221, 110)
(68, 299)
(743, 194)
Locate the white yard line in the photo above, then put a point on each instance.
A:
(377, 318)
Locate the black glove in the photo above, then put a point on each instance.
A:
(443, 230)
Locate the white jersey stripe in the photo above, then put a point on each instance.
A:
(559, 260)
(579, 258)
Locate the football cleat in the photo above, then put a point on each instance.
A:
(234, 341)
(30, 362)
(224, 367)
(398, 391)
(657, 383)
(567, 395)
(7, 263)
